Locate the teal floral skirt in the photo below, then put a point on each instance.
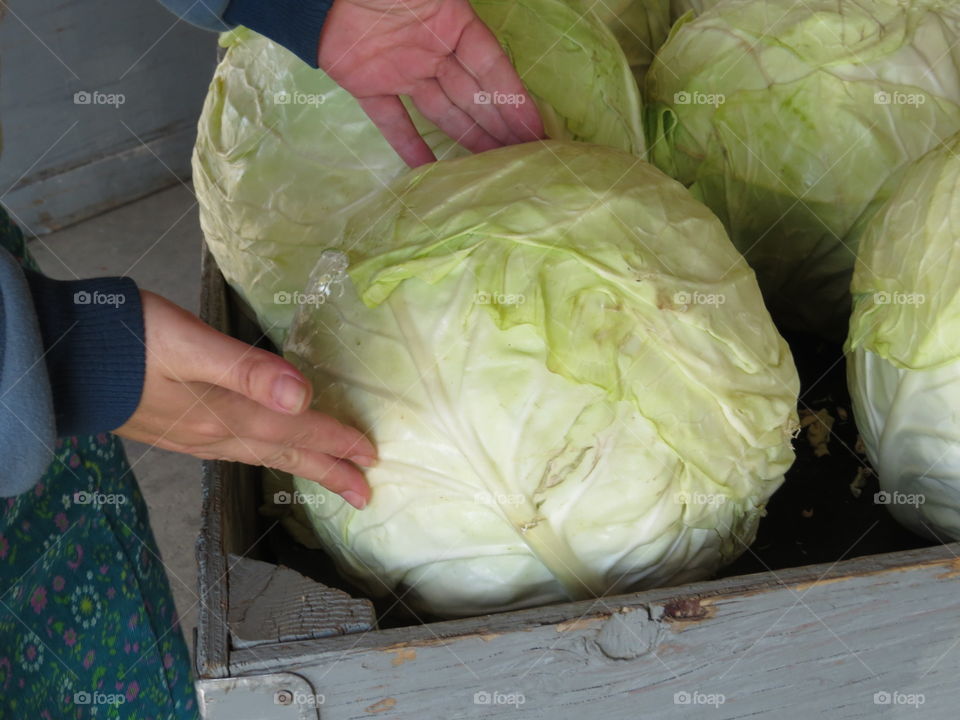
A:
(88, 627)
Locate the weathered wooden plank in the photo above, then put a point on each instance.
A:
(682, 602)
(227, 526)
(817, 640)
(271, 603)
(212, 647)
(212, 644)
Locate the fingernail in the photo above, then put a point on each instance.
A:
(355, 499)
(289, 393)
(364, 460)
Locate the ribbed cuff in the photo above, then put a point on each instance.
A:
(93, 340)
(295, 24)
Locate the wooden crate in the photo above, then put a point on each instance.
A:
(875, 636)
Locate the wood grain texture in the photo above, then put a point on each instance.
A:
(820, 640)
(271, 603)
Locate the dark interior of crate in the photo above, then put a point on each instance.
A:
(815, 517)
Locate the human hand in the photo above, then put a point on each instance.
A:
(440, 54)
(208, 395)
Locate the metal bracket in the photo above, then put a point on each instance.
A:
(281, 696)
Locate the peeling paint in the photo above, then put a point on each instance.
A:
(381, 706)
(439, 641)
(692, 608)
(953, 571)
(683, 613)
(579, 623)
(402, 655)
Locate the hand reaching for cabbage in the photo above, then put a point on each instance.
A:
(214, 397)
(440, 54)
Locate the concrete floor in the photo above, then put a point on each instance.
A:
(157, 242)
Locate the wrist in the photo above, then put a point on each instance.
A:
(294, 24)
(93, 341)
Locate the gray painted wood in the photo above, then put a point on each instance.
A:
(833, 641)
(283, 696)
(64, 161)
(270, 603)
(817, 642)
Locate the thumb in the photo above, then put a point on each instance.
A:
(261, 376)
(196, 352)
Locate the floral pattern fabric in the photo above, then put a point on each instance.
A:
(88, 627)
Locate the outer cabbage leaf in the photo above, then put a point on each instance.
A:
(678, 8)
(904, 343)
(569, 374)
(284, 155)
(640, 26)
(793, 121)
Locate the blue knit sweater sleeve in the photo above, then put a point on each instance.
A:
(72, 362)
(294, 24)
(94, 350)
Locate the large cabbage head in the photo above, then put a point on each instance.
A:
(569, 374)
(792, 121)
(904, 345)
(283, 154)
